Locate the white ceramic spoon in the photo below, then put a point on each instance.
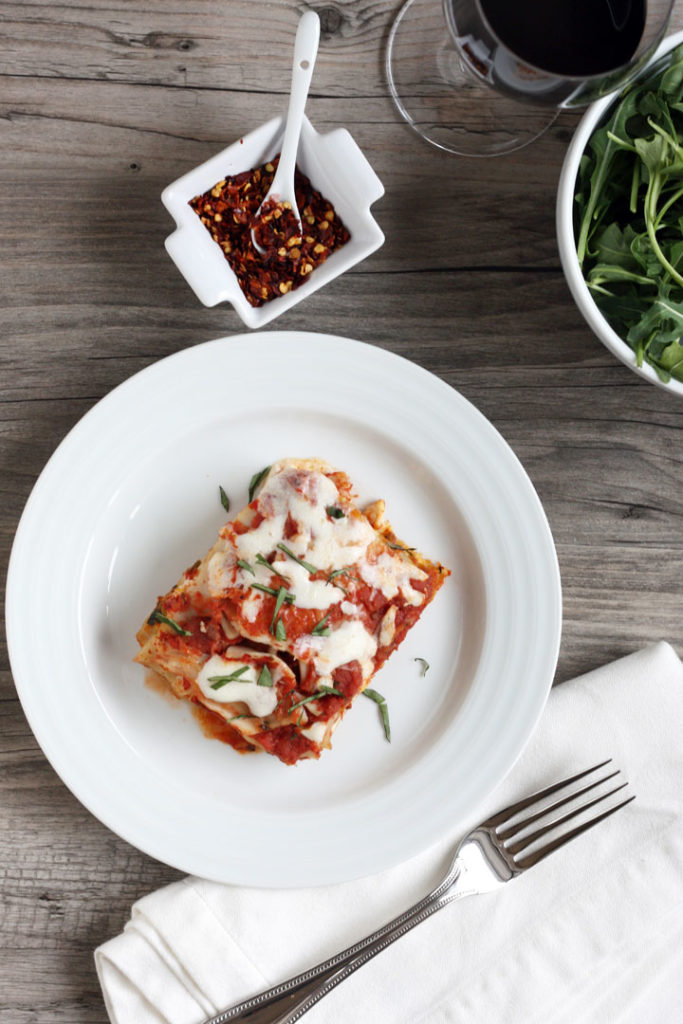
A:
(305, 52)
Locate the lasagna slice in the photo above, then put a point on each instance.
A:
(289, 615)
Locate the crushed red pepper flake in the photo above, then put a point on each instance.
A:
(293, 250)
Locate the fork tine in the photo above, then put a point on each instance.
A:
(508, 833)
(521, 844)
(555, 844)
(521, 805)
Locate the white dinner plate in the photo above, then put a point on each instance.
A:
(130, 499)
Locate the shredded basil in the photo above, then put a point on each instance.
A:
(257, 479)
(333, 575)
(218, 681)
(425, 665)
(245, 565)
(264, 561)
(337, 572)
(158, 616)
(330, 691)
(334, 512)
(225, 500)
(264, 678)
(320, 629)
(280, 631)
(383, 710)
(399, 547)
(306, 700)
(279, 601)
(307, 565)
(273, 593)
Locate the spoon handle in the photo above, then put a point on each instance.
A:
(305, 51)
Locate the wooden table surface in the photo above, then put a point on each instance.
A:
(103, 104)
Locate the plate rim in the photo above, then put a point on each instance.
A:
(55, 757)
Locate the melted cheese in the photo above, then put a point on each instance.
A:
(350, 641)
(316, 732)
(251, 606)
(387, 629)
(305, 496)
(308, 593)
(391, 574)
(261, 700)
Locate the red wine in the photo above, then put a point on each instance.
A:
(572, 38)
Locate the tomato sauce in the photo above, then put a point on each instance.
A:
(216, 728)
(287, 743)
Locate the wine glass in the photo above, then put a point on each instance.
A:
(484, 77)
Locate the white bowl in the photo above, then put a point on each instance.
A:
(567, 242)
(336, 167)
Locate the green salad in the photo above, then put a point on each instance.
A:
(629, 217)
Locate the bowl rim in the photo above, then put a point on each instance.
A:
(195, 254)
(564, 218)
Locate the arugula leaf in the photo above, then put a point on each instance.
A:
(629, 217)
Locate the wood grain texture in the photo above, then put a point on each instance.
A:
(101, 105)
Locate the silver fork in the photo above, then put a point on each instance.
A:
(498, 850)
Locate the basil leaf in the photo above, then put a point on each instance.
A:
(629, 216)
(264, 678)
(398, 547)
(264, 561)
(383, 709)
(225, 500)
(305, 700)
(273, 593)
(280, 631)
(334, 512)
(425, 665)
(257, 479)
(158, 616)
(320, 629)
(330, 691)
(245, 565)
(279, 601)
(337, 572)
(307, 565)
(218, 681)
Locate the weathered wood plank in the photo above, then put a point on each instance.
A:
(92, 158)
(101, 105)
(245, 46)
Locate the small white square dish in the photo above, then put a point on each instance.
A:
(337, 169)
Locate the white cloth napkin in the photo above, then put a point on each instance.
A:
(579, 938)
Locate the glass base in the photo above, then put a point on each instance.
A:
(444, 99)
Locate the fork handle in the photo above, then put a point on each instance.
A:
(291, 999)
